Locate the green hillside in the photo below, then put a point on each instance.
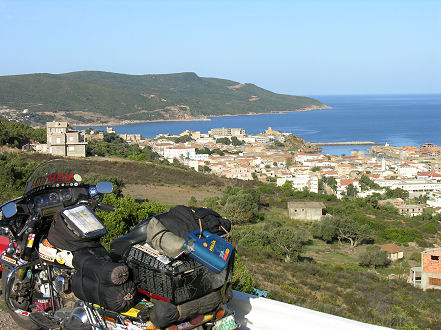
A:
(141, 97)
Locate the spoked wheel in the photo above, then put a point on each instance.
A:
(15, 301)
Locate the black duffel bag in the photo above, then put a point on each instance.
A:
(118, 298)
(182, 220)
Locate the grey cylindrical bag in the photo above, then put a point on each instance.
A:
(163, 240)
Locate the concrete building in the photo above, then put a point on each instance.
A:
(226, 132)
(428, 276)
(63, 141)
(415, 188)
(306, 211)
(300, 182)
(179, 152)
(131, 138)
(410, 209)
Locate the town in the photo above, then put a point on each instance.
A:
(232, 153)
(410, 175)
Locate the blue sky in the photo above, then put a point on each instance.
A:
(294, 47)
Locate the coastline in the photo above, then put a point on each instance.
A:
(207, 118)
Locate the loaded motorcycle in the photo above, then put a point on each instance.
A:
(56, 274)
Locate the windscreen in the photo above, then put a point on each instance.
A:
(53, 174)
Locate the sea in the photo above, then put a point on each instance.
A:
(399, 120)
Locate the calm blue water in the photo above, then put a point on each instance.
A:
(397, 119)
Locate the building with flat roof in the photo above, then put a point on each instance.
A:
(226, 132)
(64, 141)
(307, 211)
(428, 276)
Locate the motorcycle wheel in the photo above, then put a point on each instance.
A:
(21, 320)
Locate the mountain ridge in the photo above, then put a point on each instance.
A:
(105, 97)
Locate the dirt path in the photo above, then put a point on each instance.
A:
(6, 322)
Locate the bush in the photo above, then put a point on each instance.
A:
(326, 230)
(402, 235)
(373, 256)
(242, 279)
(241, 208)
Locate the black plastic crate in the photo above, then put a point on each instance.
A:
(178, 280)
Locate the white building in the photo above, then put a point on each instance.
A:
(407, 171)
(300, 182)
(415, 187)
(179, 152)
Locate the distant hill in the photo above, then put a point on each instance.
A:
(93, 96)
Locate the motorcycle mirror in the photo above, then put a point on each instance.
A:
(104, 187)
(9, 210)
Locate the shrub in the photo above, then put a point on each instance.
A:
(242, 278)
(373, 256)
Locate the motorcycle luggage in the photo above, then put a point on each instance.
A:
(182, 220)
(75, 228)
(164, 314)
(163, 240)
(176, 281)
(118, 298)
(120, 247)
(99, 267)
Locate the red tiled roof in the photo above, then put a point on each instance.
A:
(347, 182)
(432, 174)
(392, 248)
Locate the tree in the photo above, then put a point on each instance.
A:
(287, 188)
(183, 139)
(325, 230)
(396, 193)
(373, 256)
(241, 208)
(349, 229)
(331, 182)
(212, 202)
(223, 140)
(126, 215)
(316, 169)
(235, 141)
(366, 183)
(112, 138)
(287, 243)
(16, 134)
(351, 190)
(205, 169)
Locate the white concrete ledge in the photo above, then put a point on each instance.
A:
(254, 313)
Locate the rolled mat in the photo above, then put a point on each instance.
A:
(164, 240)
(118, 298)
(98, 269)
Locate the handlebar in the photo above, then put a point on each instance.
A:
(105, 207)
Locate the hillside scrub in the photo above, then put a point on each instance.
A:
(141, 97)
(360, 295)
(16, 134)
(280, 242)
